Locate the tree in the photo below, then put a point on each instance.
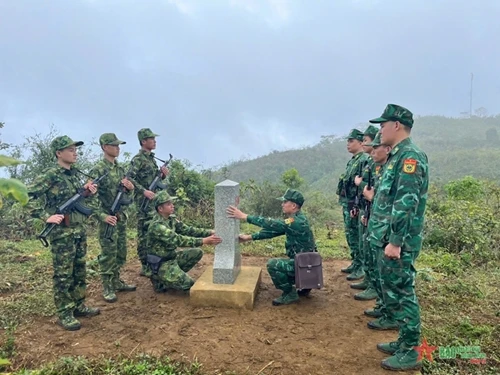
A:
(291, 179)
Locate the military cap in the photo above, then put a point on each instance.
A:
(293, 196)
(376, 141)
(62, 142)
(110, 139)
(394, 112)
(162, 197)
(146, 133)
(355, 134)
(371, 131)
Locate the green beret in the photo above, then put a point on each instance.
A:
(394, 112)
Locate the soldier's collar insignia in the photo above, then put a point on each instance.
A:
(409, 166)
(289, 221)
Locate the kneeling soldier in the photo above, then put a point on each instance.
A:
(299, 238)
(165, 234)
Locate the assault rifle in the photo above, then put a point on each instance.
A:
(156, 184)
(354, 206)
(120, 200)
(72, 204)
(368, 204)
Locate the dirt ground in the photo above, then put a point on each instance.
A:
(325, 333)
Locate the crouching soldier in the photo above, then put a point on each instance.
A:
(165, 234)
(299, 238)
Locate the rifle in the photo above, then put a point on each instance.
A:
(355, 206)
(120, 200)
(72, 204)
(368, 205)
(156, 184)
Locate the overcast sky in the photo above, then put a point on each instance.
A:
(225, 79)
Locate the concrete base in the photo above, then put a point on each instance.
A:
(241, 294)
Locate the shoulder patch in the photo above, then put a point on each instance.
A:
(289, 221)
(409, 166)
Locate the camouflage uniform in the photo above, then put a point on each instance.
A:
(68, 241)
(114, 250)
(144, 172)
(299, 238)
(347, 191)
(398, 218)
(368, 173)
(164, 236)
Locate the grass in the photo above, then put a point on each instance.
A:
(459, 304)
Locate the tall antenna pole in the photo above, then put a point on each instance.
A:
(470, 104)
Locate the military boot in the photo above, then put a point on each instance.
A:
(122, 286)
(158, 287)
(389, 347)
(373, 313)
(68, 322)
(83, 310)
(108, 291)
(356, 274)
(366, 295)
(286, 298)
(348, 269)
(361, 286)
(402, 360)
(383, 324)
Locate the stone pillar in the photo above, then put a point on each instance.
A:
(227, 260)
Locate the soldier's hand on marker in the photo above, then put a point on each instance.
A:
(111, 220)
(235, 213)
(164, 171)
(55, 219)
(91, 187)
(368, 193)
(128, 185)
(212, 231)
(149, 194)
(392, 252)
(245, 237)
(212, 240)
(358, 180)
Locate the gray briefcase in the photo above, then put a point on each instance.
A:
(308, 271)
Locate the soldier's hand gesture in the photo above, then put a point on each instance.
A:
(212, 240)
(55, 219)
(111, 220)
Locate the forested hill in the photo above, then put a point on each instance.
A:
(456, 147)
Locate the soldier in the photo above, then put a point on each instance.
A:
(68, 240)
(395, 232)
(360, 181)
(114, 248)
(165, 234)
(379, 155)
(299, 238)
(143, 173)
(348, 192)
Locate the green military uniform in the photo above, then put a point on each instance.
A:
(113, 250)
(398, 218)
(164, 236)
(68, 241)
(367, 173)
(348, 191)
(144, 172)
(299, 238)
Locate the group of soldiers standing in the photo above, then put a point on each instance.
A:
(383, 194)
